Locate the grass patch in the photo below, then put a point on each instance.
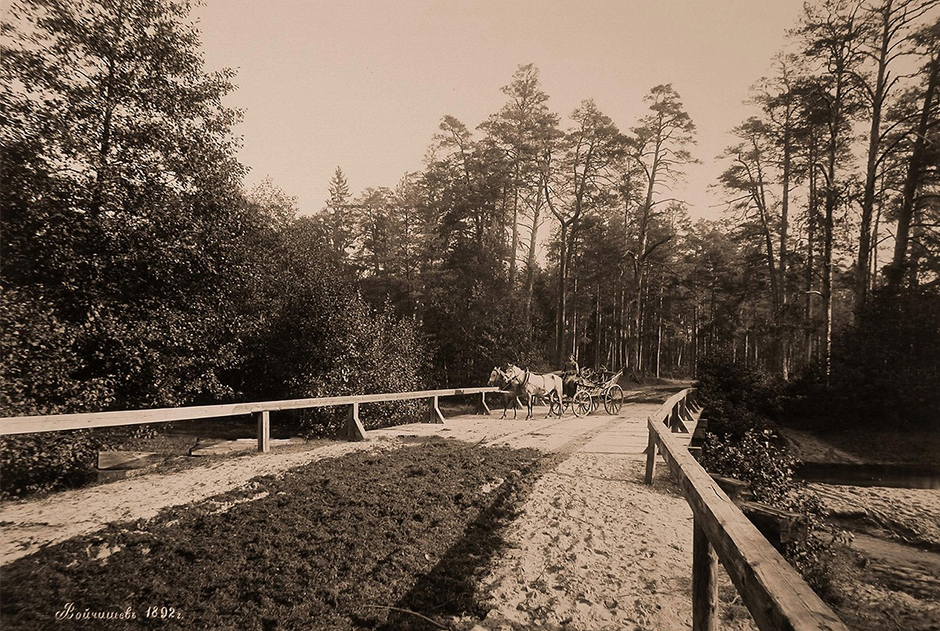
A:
(347, 543)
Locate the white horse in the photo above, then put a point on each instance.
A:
(533, 386)
(509, 391)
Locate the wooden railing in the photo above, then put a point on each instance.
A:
(353, 430)
(772, 590)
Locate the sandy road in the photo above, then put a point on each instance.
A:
(593, 547)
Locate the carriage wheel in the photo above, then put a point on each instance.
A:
(555, 407)
(583, 404)
(613, 399)
(570, 404)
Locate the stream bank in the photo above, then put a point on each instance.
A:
(888, 578)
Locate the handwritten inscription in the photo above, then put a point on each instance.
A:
(71, 612)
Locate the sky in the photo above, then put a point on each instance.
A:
(364, 84)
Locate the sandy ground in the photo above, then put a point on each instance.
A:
(911, 515)
(593, 547)
(893, 583)
(807, 447)
(598, 549)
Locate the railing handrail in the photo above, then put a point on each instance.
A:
(87, 420)
(775, 594)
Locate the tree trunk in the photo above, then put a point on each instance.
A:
(827, 278)
(575, 322)
(530, 260)
(895, 272)
(810, 254)
(597, 326)
(780, 320)
(871, 170)
(638, 322)
(515, 227)
(659, 332)
(562, 298)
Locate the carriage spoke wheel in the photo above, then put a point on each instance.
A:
(583, 405)
(613, 399)
(571, 402)
(555, 407)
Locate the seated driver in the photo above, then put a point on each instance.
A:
(571, 373)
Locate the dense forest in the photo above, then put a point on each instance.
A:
(138, 270)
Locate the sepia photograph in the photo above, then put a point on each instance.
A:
(470, 315)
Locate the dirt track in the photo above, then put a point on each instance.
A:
(593, 547)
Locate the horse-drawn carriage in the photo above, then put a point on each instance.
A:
(586, 397)
(589, 394)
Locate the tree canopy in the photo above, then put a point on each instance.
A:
(138, 271)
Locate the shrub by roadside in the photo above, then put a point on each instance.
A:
(742, 443)
(35, 463)
(759, 459)
(738, 398)
(357, 351)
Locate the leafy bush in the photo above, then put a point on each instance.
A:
(755, 458)
(379, 354)
(35, 463)
(738, 398)
(759, 459)
(743, 444)
(310, 333)
(40, 363)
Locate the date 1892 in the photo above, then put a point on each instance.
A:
(164, 613)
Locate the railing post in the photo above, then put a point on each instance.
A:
(434, 412)
(264, 430)
(650, 458)
(354, 429)
(675, 420)
(704, 581)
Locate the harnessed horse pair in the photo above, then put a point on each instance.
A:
(519, 382)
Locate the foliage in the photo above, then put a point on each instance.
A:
(758, 458)
(35, 463)
(120, 209)
(471, 325)
(40, 364)
(739, 398)
(885, 370)
(381, 354)
(312, 334)
(122, 223)
(743, 444)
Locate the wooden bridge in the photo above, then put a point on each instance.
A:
(773, 592)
